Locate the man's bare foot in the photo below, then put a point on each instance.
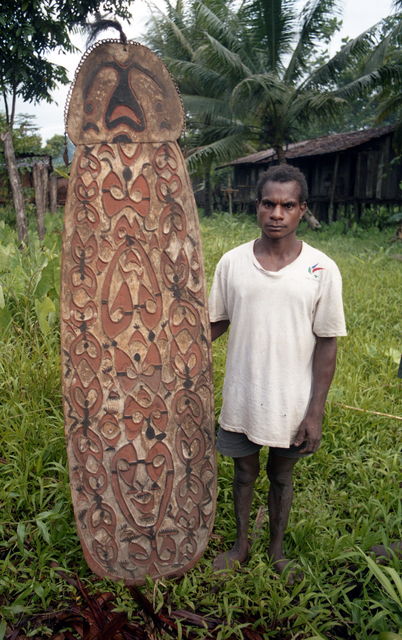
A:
(292, 572)
(383, 553)
(228, 559)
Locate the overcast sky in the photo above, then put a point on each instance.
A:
(358, 15)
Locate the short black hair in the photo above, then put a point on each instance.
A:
(283, 173)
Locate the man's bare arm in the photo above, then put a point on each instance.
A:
(219, 328)
(324, 361)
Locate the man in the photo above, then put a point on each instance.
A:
(283, 300)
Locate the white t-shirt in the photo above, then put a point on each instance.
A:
(274, 318)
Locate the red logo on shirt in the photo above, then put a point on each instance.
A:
(315, 268)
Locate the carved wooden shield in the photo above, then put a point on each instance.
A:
(136, 355)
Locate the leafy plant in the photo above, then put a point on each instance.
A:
(30, 282)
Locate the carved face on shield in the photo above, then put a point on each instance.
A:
(127, 96)
(143, 485)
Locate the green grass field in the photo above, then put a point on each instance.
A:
(347, 496)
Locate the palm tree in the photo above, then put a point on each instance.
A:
(257, 76)
(389, 55)
(247, 75)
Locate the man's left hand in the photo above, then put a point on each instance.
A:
(310, 430)
(324, 360)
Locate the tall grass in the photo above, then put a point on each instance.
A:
(347, 496)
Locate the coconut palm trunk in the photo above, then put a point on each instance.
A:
(281, 155)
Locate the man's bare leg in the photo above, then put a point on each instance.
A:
(246, 471)
(280, 472)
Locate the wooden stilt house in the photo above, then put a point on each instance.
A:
(343, 171)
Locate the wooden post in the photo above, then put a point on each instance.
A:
(53, 194)
(45, 185)
(384, 159)
(15, 187)
(228, 192)
(39, 173)
(207, 193)
(356, 210)
(331, 202)
(357, 176)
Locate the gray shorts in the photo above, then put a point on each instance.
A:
(237, 445)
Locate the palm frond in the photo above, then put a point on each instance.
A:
(316, 105)
(378, 56)
(203, 81)
(223, 150)
(230, 33)
(223, 129)
(389, 73)
(389, 106)
(201, 106)
(218, 56)
(272, 24)
(216, 27)
(353, 50)
(258, 90)
(173, 31)
(315, 17)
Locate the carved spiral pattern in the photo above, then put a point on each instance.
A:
(136, 362)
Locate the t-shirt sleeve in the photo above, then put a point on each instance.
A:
(218, 297)
(329, 318)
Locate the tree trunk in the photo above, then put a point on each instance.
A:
(39, 172)
(207, 193)
(16, 187)
(53, 194)
(281, 154)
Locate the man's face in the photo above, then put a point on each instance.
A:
(280, 211)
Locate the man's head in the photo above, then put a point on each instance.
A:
(284, 173)
(281, 203)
